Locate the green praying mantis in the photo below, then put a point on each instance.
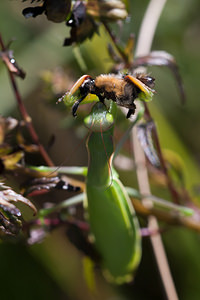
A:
(111, 216)
(110, 213)
(112, 219)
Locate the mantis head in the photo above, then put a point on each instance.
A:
(100, 119)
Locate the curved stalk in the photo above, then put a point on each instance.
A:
(144, 43)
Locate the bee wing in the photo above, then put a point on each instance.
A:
(143, 87)
(77, 84)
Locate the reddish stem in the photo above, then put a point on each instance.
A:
(25, 115)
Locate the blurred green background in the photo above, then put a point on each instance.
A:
(53, 269)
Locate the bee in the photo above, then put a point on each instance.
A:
(122, 89)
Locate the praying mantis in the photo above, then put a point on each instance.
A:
(113, 222)
(112, 219)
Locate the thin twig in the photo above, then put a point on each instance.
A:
(176, 197)
(145, 39)
(169, 217)
(114, 39)
(25, 115)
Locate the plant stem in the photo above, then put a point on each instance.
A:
(170, 218)
(25, 115)
(176, 197)
(113, 38)
(144, 43)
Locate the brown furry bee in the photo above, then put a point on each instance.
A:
(122, 89)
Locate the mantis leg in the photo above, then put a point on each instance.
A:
(130, 112)
(76, 105)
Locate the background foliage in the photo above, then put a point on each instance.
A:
(53, 269)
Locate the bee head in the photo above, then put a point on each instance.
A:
(87, 86)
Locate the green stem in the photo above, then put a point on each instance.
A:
(61, 170)
(161, 204)
(64, 204)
